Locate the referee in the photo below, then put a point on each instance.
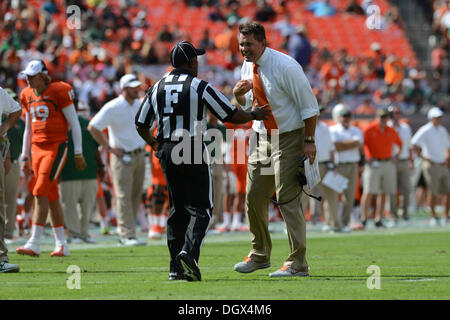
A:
(178, 104)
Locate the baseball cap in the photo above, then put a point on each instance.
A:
(129, 81)
(434, 112)
(183, 52)
(340, 110)
(382, 113)
(34, 67)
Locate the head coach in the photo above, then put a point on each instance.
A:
(179, 101)
(271, 77)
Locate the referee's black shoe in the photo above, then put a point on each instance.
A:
(176, 276)
(190, 267)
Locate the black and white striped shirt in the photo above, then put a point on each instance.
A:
(178, 103)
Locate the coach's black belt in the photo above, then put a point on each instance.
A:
(135, 151)
(349, 162)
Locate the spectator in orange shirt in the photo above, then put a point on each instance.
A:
(379, 176)
(377, 55)
(332, 69)
(394, 70)
(438, 55)
(228, 42)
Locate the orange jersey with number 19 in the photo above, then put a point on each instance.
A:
(48, 123)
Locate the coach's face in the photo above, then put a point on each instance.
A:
(132, 93)
(251, 48)
(437, 121)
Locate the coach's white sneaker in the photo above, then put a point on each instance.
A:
(326, 228)
(250, 265)
(130, 242)
(89, 240)
(346, 229)
(444, 222)
(433, 222)
(74, 240)
(60, 251)
(288, 271)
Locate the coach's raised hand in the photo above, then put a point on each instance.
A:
(241, 88)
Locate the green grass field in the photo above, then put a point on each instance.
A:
(414, 264)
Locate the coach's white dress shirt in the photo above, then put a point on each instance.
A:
(404, 132)
(287, 89)
(119, 117)
(339, 133)
(434, 142)
(324, 143)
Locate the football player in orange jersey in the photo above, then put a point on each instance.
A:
(49, 112)
(238, 135)
(239, 167)
(158, 200)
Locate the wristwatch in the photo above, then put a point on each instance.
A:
(309, 139)
(254, 113)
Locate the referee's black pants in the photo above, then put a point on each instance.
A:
(190, 193)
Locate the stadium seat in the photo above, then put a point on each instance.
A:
(335, 32)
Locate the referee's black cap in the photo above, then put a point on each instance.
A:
(183, 52)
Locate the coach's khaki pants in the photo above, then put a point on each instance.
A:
(3, 248)
(74, 193)
(380, 178)
(128, 180)
(403, 185)
(350, 171)
(284, 157)
(331, 200)
(315, 207)
(11, 193)
(437, 177)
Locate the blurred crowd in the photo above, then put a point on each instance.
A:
(113, 41)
